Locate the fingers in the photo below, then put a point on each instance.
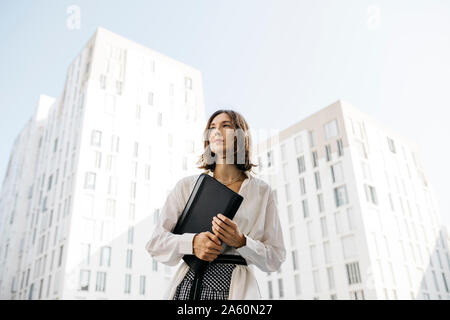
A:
(207, 257)
(223, 225)
(214, 238)
(219, 232)
(225, 219)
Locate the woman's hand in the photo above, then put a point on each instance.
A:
(206, 246)
(228, 231)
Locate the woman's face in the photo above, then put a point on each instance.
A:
(221, 130)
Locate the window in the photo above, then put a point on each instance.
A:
(436, 286)
(315, 160)
(290, 214)
(119, 87)
(55, 146)
(136, 150)
(138, 112)
(285, 171)
(89, 182)
(292, 236)
(130, 235)
(280, 288)
(330, 275)
(188, 83)
(371, 195)
(313, 255)
(288, 192)
(301, 164)
(150, 99)
(340, 196)
(86, 253)
(159, 121)
(129, 258)
(337, 173)
(316, 281)
(114, 144)
(98, 160)
(61, 249)
(312, 138)
(444, 279)
(361, 149)
(127, 283)
(105, 257)
(155, 216)
(294, 260)
(349, 246)
(328, 152)
(155, 265)
(357, 295)
(353, 273)
(297, 284)
(131, 211)
(298, 144)
(367, 174)
(302, 186)
(323, 227)
(269, 159)
(391, 145)
(142, 285)
(331, 129)
(305, 208)
(283, 152)
(102, 81)
(344, 221)
(84, 280)
(96, 138)
(317, 180)
(340, 147)
(49, 186)
(327, 252)
(133, 190)
(100, 284)
(320, 203)
(270, 289)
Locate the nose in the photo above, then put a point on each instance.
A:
(215, 132)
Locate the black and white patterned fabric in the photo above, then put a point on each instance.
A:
(215, 284)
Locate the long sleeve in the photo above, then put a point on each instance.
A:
(268, 253)
(164, 246)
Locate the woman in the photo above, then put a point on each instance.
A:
(254, 234)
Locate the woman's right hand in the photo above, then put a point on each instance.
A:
(207, 246)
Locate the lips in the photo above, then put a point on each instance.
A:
(217, 140)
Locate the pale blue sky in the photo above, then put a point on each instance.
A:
(275, 61)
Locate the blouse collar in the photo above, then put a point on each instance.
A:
(244, 183)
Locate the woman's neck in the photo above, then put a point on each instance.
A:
(226, 171)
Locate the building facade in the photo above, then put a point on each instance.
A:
(359, 216)
(90, 171)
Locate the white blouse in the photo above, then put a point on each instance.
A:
(257, 218)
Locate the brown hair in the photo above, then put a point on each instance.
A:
(207, 162)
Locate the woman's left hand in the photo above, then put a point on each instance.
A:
(228, 231)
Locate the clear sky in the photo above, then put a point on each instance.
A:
(274, 61)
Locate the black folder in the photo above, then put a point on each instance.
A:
(208, 198)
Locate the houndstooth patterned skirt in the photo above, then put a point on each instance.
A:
(215, 284)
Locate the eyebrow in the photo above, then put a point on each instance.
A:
(221, 122)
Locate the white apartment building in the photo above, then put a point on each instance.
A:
(359, 216)
(90, 171)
